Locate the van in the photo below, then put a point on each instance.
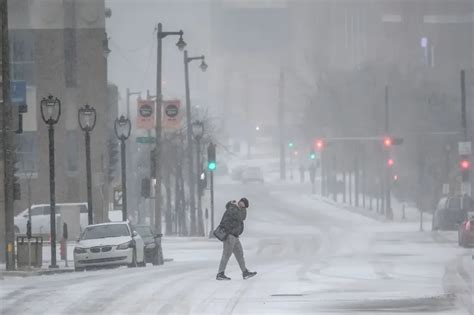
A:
(41, 214)
(450, 212)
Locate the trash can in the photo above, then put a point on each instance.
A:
(36, 247)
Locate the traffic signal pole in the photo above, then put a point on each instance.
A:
(281, 124)
(7, 139)
(465, 172)
(387, 180)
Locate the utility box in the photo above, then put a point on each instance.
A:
(36, 247)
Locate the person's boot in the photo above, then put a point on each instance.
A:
(248, 274)
(222, 276)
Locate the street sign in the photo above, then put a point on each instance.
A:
(172, 115)
(18, 95)
(464, 148)
(466, 188)
(445, 189)
(118, 198)
(145, 140)
(146, 114)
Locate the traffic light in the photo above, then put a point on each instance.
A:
(202, 183)
(312, 155)
(112, 148)
(465, 165)
(319, 144)
(390, 162)
(211, 157)
(291, 145)
(390, 141)
(146, 187)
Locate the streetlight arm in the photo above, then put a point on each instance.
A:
(189, 59)
(164, 34)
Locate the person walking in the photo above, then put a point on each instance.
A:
(233, 224)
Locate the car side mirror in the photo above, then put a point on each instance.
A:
(134, 234)
(78, 239)
(158, 235)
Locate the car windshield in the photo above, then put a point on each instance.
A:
(103, 231)
(144, 231)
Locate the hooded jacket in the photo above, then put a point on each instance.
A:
(233, 220)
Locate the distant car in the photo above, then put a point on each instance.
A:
(466, 232)
(151, 243)
(41, 215)
(252, 174)
(236, 173)
(450, 212)
(109, 244)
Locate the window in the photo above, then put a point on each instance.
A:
(454, 204)
(36, 211)
(22, 52)
(27, 153)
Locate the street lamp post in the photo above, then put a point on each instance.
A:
(50, 113)
(192, 185)
(123, 127)
(159, 99)
(198, 132)
(87, 117)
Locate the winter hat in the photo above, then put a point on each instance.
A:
(245, 201)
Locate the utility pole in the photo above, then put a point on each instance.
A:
(466, 184)
(388, 195)
(158, 128)
(281, 123)
(7, 137)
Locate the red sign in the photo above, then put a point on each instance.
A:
(146, 114)
(172, 115)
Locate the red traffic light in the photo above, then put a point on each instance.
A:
(387, 142)
(465, 164)
(390, 162)
(319, 144)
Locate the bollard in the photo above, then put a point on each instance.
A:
(64, 244)
(28, 236)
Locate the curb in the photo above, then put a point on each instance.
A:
(32, 273)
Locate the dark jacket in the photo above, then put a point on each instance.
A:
(233, 220)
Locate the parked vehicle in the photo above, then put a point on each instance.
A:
(151, 243)
(466, 232)
(450, 212)
(41, 217)
(236, 173)
(109, 244)
(252, 174)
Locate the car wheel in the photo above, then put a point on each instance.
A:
(79, 269)
(133, 264)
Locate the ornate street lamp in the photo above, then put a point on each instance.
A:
(195, 226)
(50, 112)
(123, 127)
(87, 117)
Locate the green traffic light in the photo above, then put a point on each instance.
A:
(290, 145)
(212, 166)
(312, 156)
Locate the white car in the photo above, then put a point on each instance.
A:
(109, 244)
(252, 174)
(41, 216)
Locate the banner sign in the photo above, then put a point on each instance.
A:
(172, 115)
(146, 114)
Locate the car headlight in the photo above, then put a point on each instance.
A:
(151, 245)
(126, 245)
(79, 250)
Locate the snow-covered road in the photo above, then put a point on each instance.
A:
(311, 258)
